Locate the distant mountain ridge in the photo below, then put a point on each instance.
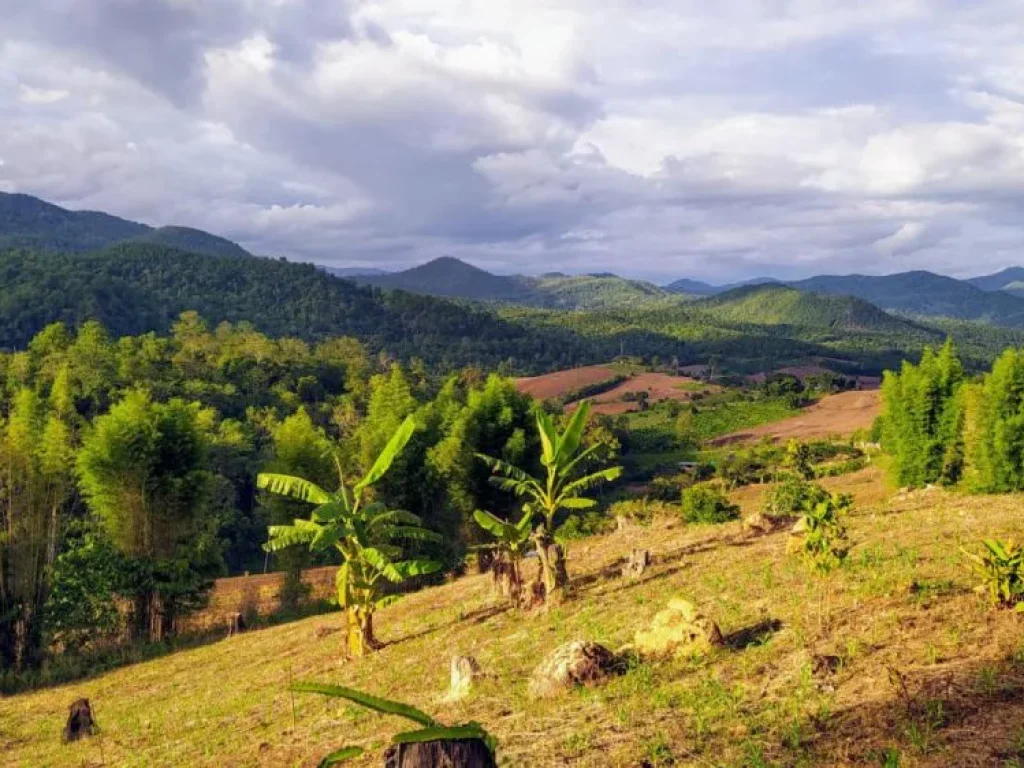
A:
(449, 277)
(28, 222)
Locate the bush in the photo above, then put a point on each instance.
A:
(824, 543)
(707, 503)
(639, 511)
(791, 496)
(1000, 566)
(669, 487)
(844, 467)
(580, 526)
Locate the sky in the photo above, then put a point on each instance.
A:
(653, 138)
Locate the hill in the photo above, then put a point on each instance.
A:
(782, 305)
(137, 287)
(924, 293)
(1010, 280)
(28, 222)
(893, 655)
(452, 278)
(692, 287)
(355, 271)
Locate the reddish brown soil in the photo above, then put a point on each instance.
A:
(840, 414)
(564, 382)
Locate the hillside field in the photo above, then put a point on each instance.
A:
(927, 674)
(841, 414)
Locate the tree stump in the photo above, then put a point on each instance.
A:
(638, 562)
(80, 723)
(236, 624)
(454, 753)
(465, 670)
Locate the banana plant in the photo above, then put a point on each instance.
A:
(511, 541)
(550, 499)
(364, 534)
(429, 730)
(1000, 566)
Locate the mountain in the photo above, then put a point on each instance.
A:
(1010, 280)
(28, 222)
(452, 278)
(699, 288)
(692, 287)
(784, 305)
(924, 293)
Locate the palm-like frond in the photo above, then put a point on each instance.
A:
(510, 478)
(387, 457)
(293, 487)
(284, 536)
(569, 441)
(589, 481)
(409, 533)
(391, 517)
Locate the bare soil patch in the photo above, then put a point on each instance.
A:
(840, 414)
(565, 382)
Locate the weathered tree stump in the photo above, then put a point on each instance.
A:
(236, 624)
(465, 670)
(455, 753)
(484, 560)
(80, 722)
(638, 562)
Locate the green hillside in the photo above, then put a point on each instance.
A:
(782, 305)
(452, 278)
(28, 222)
(925, 293)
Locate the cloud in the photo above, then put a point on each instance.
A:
(658, 139)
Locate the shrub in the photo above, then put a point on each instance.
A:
(824, 543)
(1000, 566)
(791, 496)
(640, 511)
(844, 467)
(707, 503)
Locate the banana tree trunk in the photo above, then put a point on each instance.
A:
(361, 639)
(552, 566)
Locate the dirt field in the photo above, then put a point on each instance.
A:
(564, 382)
(840, 414)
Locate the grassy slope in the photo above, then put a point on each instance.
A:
(754, 703)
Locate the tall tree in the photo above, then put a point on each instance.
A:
(142, 472)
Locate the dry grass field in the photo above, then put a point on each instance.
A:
(928, 674)
(839, 414)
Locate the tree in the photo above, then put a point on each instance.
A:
(363, 534)
(36, 487)
(142, 472)
(923, 418)
(558, 493)
(994, 431)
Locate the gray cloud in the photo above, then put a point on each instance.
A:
(656, 139)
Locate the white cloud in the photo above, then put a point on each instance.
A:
(658, 138)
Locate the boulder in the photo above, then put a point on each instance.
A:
(758, 523)
(679, 629)
(800, 527)
(577, 663)
(465, 670)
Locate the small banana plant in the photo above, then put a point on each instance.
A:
(511, 542)
(429, 730)
(364, 534)
(548, 500)
(1000, 566)
(824, 543)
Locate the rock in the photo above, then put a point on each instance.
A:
(825, 666)
(464, 671)
(800, 527)
(447, 753)
(80, 721)
(577, 663)
(639, 561)
(758, 523)
(679, 629)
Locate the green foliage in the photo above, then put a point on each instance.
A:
(707, 503)
(922, 419)
(798, 459)
(824, 540)
(550, 499)
(995, 427)
(1000, 568)
(363, 533)
(790, 496)
(431, 729)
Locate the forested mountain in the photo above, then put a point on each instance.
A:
(136, 287)
(29, 222)
(924, 293)
(1010, 280)
(355, 271)
(693, 287)
(453, 278)
(783, 305)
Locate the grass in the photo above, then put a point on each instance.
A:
(928, 673)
